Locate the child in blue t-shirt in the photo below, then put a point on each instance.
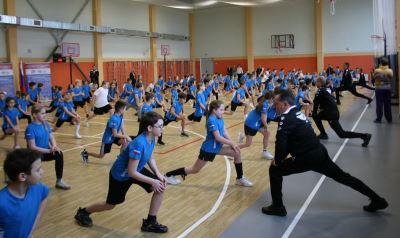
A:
(68, 114)
(57, 96)
(257, 121)
(176, 113)
(112, 93)
(77, 95)
(127, 89)
(32, 92)
(24, 199)
(39, 138)
(239, 99)
(217, 142)
(22, 105)
(128, 169)
(11, 121)
(148, 104)
(174, 93)
(2, 102)
(114, 134)
(201, 104)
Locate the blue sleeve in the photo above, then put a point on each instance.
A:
(135, 150)
(29, 135)
(264, 108)
(112, 123)
(212, 124)
(44, 191)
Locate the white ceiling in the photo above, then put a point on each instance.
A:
(200, 4)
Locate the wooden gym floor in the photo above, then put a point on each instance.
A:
(187, 209)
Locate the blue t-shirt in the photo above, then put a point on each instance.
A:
(200, 99)
(177, 107)
(138, 149)
(157, 88)
(253, 120)
(69, 106)
(159, 97)
(228, 83)
(174, 95)
(17, 215)
(146, 108)
(32, 94)
(161, 82)
(235, 83)
(336, 82)
(111, 93)
(241, 93)
(132, 99)
(271, 113)
(169, 83)
(2, 106)
(271, 86)
(208, 90)
(115, 122)
(77, 91)
(300, 94)
(86, 91)
(192, 90)
(24, 105)
(40, 133)
(210, 145)
(128, 88)
(12, 114)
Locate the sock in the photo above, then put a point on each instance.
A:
(180, 171)
(151, 219)
(239, 170)
(78, 126)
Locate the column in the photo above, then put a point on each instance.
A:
(398, 37)
(249, 38)
(319, 35)
(97, 39)
(153, 41)
(11, 42)
(192, 43)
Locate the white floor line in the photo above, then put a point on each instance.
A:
(83, 136)
(81, 146)
(220, 197)
(318, 185)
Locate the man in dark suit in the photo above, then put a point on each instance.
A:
(94, 75)
(329, 70)
(296, 137)
(347, 84)
(229, 70)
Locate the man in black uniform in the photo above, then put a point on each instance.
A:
(94, 75)
(325, 109)
(347, 84)
(296, 137)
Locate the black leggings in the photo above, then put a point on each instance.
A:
(26, 117)
(59, 162)
(333, 120)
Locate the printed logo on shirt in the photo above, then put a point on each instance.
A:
(212, 126)
(301, 116)
(136, 152)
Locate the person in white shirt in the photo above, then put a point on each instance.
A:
(101, 105)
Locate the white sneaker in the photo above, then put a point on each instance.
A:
(241, 137)
(267, 155)
(77, 136)
(17, 147)
(244, 182)
(172, 180)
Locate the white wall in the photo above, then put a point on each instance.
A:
(350, 29)
(173, 21)
(3, 53)
(220, 32)
(39, 43)
(288, 17)
(129, 15)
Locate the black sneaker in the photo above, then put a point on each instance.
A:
(85, 156)
(274, 210)
(375, 205)
(366, 139)
(323, 136)
(160, 142)
(153, 227)
(83, 218)
(184, 134)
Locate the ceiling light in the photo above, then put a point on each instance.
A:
(246, 4)
(205, 3)
(180, 7)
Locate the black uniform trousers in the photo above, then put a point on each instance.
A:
(333, 120)
(319, 161)
(351, 89)
(383, 104)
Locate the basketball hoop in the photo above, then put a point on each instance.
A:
(332, 7)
